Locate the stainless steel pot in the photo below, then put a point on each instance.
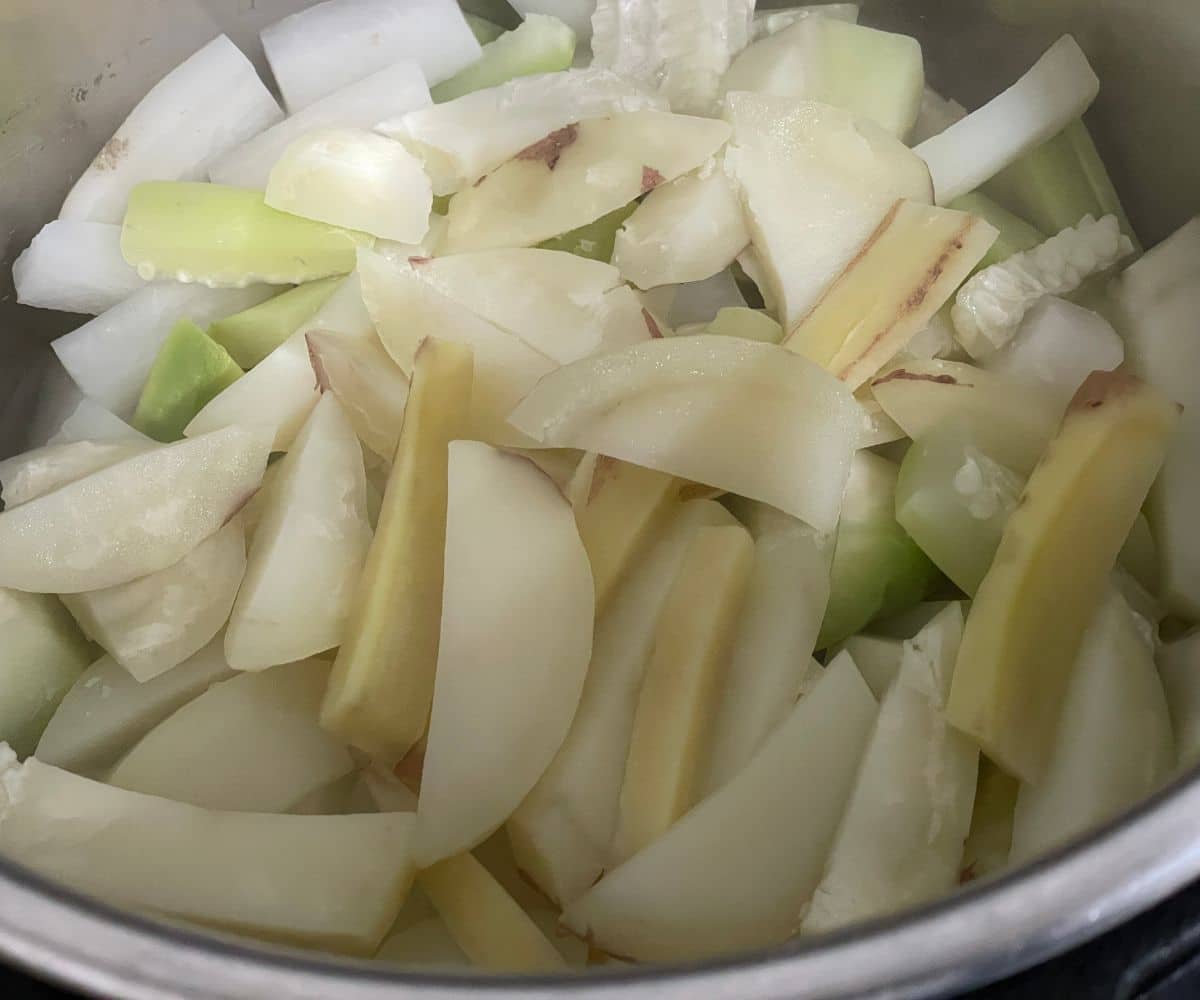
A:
(70, 71)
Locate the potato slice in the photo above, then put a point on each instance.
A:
(381, 687)
(682, 684)
(1049, 574)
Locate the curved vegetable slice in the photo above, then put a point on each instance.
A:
(111, 356)
(575, 175)
(1114, 744)
(308, 549)
(330, 882)
(392, 91)
(1058, 89)
(1048, 577)
(356, 179)
(716, 410)
(539, 44)
(106, 711)
(1011, 420)
(74, 266)
(227, 237)
(562, 831)
(816, 182)
(901, 840)
(270, 754)
(330, 45)
(43, 654)
(30, 475)
(201, 109)
(133, 518)
(518, 599)
(464, 139)
(154, 623)
(736, 871)
(382, 683)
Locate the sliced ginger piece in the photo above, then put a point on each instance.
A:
(682, 686)
(381, 688)
(1052, 566)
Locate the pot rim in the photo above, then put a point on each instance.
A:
(980, 934)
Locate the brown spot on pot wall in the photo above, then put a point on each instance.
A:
(550, 149)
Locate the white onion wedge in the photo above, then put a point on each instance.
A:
(356, 179)
(328, 46)
(1058, 89)
(133, 518)
(74, 266)
(684, 231)
(771, 663)
(517, 598)
(464, 139)
(280, 391)
(30, 475)
(577, 174)
(557, 303)
(107, 711)
(270, 755)
(816, 182)
(735, 872)
(562, 830)
(371, 388)
(716, 410)
(406, 310)
(110, 356)
(308, 549)
(392, 91)
(916, 782)
(204, 107)
(332, 882)
(154, 623)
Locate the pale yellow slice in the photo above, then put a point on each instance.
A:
(1051, 569)
(381, 687)
(618, 508)
(682, 686)
(485, 921)
(891, 289)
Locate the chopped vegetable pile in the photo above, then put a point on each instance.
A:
(645, 484)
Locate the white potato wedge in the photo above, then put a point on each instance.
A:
(517, 596)
(1011, 420)
(1114, 745)
(329, 882)
(904, 273)
(680, 687)
(816, 182)
(576, 174)
(720, 411)
(562, 831)
(736, 871)
(916, 782)
(106, 711)
(30, 475)
(406, 311)
(485, 921)
(154, 623)
(381, 688)
(133, 518)
(771, 660)
(270, 755)
(42, 655)
(684, 231)
(308, 550)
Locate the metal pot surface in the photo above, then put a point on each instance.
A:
(71, 71)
